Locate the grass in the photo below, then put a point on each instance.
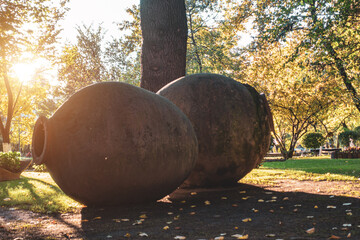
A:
(39, 193)
(36, 192)
(313, 169)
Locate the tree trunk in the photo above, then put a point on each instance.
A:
(345, 77)
(164, 32)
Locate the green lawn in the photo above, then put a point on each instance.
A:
(39, 193)
(347, 167)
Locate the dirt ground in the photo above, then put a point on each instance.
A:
(289, 209)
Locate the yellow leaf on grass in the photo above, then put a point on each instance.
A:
(127, 235)
(96, 218)
(166, 228)
(143, 216)
(310, 230)
(207, 202)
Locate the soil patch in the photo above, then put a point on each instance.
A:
(289, 209)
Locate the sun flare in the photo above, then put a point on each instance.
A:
(25, 72)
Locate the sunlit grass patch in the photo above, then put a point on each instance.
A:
(346, 167)
(36, 192)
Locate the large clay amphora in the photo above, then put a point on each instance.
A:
(232, 122)
(112, 143)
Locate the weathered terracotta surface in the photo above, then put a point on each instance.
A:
(113, 143)
(6, 175)
(232, 123)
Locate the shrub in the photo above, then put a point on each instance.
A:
(10, 161)
(313, 140)
(344, 137)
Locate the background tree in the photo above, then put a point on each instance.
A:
(330, 30)
(297, 95)
(212, 39)
(82, 63)
(25, 26)
(164, 33)
(122, 55)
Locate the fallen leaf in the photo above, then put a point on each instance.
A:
(285, 198)
(207, 202)
(330, 206)
(235, 205)
(170, 213)
(169, 222)
(193, 206)
(223, 234)
(137, 222)
(310, 217)
(117, 220)
(295, 210)
(245, 198)
(349, 235)
(193, 193)
(125, 220)
(96, 218)
(166, 228)
(223, 198)
(316, 206)
(239, 236)
(177, 217)
(349, 213)
(143, 234)
(84, 220)
(310, 230)
(242, 192)
(183, 201)
(108, 236)
(143, 216)
(261, 200)
(192, 213)
(269, 193)
(272, 211)
(247, 220)
(270, 235)
(254, 210)
(334, 237)
(346, 204)
(347, 225)
(274, 197)
(127, 235)
(219, 238)
(180, 237)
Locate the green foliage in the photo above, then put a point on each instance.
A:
(313, 140)
(344, 137)
(328, 31)
(40, 168)
(10, 161)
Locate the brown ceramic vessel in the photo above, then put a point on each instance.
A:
(232, 122)
(112, 143)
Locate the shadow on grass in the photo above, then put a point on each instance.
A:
(245, 209)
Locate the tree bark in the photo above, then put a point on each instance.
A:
(346, 80)
(164, 32)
